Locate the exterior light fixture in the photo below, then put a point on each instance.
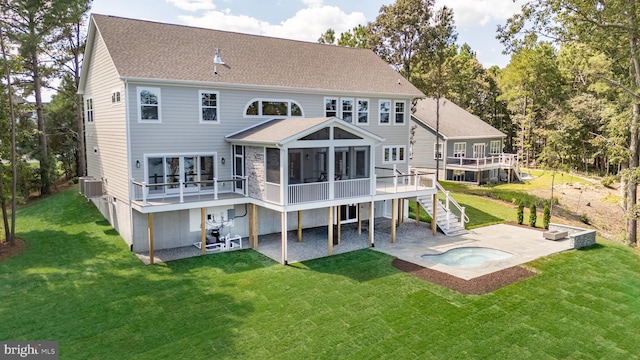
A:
(223, 161)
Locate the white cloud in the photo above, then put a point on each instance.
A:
(307, 24)
(480, 12)
(313, 3)
(193, 5)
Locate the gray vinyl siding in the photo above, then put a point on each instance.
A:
(469, 145)
(106, 142)
(423, 148)
(180, 131)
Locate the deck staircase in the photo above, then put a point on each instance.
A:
(450, 216)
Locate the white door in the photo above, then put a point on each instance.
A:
(348, 213)
(238, 168)
(478, 151)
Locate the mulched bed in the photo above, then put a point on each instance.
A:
(7, 251)
(480, 285)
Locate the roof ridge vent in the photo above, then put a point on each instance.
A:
(217, 59)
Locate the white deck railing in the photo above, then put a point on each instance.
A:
(141, 191)
(352, 188)
(498, 160)
(309, 192)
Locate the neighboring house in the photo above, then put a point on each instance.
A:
(187, 128)
(470, 150)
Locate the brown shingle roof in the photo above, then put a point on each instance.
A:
(151, 50)
(455, 122)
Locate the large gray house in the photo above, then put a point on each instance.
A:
(469, 150)
(190, 128)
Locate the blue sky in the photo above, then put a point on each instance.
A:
(476, 20)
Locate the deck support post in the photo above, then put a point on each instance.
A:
(203, 232)
(283, 225)
(359, 219)
(371, 225)
(400, 211)
(150, 236)
(394, 215)
(299, 225)
(417, 212)
(255, 226)
(338, 221)
(330, 229)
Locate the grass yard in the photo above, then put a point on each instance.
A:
(77, 283)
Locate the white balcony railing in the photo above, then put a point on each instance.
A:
(141, 191)
(493, 161)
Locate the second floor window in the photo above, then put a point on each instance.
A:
(149, 104)
(393, 154)
(437, 151)
(494, 147)
(363, 111)
(399, 119)
(209, 112)
(331, 107)
(89, 110)
(459, 149)
(272, 107)
(347, 110)
(385, 111)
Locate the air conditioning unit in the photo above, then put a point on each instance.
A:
(81, 181)
(93, 188)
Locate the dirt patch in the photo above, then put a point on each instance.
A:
(480, 285)
(7, 251)
(599, 206)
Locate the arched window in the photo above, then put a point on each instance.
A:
(272, 107)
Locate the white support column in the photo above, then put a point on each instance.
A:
(181, 191)
(371, 224)
(283, 229)
(215, 188)
(144, 193)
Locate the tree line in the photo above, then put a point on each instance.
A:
(569, 98)
(42, 42)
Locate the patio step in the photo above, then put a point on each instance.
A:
(455, 228)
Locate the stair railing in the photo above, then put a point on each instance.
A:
(451, 201)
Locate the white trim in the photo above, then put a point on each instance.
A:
(484, 150)
(217, 107)
(404, 112)
(401, 154)
(157, 93)
(271, 88)
(289, 102)
(357, 116)
(181, 157)
(380, 112)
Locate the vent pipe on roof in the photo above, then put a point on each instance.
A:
(217, 59)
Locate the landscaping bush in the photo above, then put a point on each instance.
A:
(547, 217)
(585, 219)
(520, 213)
(533, 217)
(608, 180)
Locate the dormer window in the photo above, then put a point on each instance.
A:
(273, 107)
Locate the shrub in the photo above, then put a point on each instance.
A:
(585, 219)
(533, 217)
(547, 217)
(608, 180)
(520, 213)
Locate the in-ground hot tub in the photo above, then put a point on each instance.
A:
(467, 257)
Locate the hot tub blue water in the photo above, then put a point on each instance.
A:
(467, 257)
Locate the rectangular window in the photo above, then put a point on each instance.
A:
(277, 108)
(393, 154)
(89, 110)
(209, 109)
(115, 97)
(494, 147)
(385, 111)
(347, 110)
(149, 105)
(479, 150)
(399, 113)
(437, 151)
(459, 149)
(197, 173)
(273, 165)
(363, 111)
(330, 107)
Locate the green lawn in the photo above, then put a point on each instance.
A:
(78, 284)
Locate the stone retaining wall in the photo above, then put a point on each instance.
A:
(580, 237)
